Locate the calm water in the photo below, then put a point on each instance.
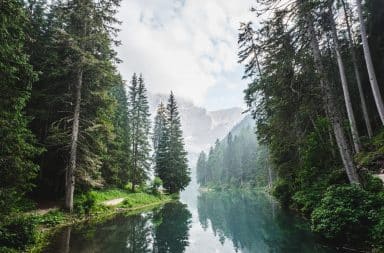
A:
(199, 223)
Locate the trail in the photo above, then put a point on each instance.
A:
(113, 202)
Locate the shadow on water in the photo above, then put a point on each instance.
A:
(223, 222)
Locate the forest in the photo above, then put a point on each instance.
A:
(236, 161)
(316, 75)
(69, 124)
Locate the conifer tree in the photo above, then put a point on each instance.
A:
(160, 139)
(139, 125)
(84, 30)
(179, 176)
(17, 145)
(170, 155)
(201, 168)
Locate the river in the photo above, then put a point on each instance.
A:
(200, 222)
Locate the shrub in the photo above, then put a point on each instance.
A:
(344, 214)
(85, 203)
(156, 184)
(377, 232)
(51, 218)
(281, 191)
(18, 232)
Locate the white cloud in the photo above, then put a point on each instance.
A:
(183, 45)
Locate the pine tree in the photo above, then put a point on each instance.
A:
(139, 125)
(160, 140)
(17, 145)
(201, 168)
(84, 31)
(178, 162)
(116, 162)
(171, 163)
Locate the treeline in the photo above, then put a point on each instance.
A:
(237, 160)
(314, 69)
(67, 123)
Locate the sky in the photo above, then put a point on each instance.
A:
(187, 46)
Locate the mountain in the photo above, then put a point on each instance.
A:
(200, 127)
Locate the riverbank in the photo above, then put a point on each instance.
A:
(35, 228)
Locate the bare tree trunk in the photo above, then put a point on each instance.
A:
(357, 73)
(70, 176)
(344, 82)
(368, 61)
(330, 103)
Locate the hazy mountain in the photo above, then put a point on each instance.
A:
(200, 127)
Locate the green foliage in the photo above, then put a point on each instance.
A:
(85, 203)
(236, 161)
(156, 184)
(373, 155)
(50, 219)
(171, 164)
(108, 194)
(140, 199)
(139, 125)
(18, 145)
(18, 232)
(346, 214)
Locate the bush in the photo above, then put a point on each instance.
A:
(345, 214)
(85, 203)
(156, 184)
(281, 191)
(377, 232)
(51, 218)
(128, 186)
(18, 232)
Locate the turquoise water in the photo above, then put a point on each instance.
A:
(199, 223)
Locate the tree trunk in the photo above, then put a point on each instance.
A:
(368, 61)
(70, 176)
(344, 83)
(357, 74)
(330, 103)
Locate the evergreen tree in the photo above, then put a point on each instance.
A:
(179, 176)
(139, 125)
(17, 145)
(82, 34)
(116, 162)
(201, 168)
(170, 155)
(160, 140)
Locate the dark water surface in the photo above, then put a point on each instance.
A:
(199, 223)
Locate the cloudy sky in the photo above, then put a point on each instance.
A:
(188, 46)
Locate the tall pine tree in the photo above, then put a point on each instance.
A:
(171, 157)
(139, 125)
(17, 145)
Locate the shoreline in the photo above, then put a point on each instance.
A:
(45, 233)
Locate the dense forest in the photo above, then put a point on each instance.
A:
(236, 161)
(68, 123)
(315, 71)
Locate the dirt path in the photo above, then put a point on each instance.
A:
(381, 176)
(113, 202)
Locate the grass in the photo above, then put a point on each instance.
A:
(141, 198)
(91, 211)
(109, 194)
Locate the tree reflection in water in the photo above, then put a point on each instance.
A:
(162, 230)
(254, 223)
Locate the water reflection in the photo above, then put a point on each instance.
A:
(254, 223)
(224, 222)
(161, 230)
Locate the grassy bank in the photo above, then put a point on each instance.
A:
(33, 230)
